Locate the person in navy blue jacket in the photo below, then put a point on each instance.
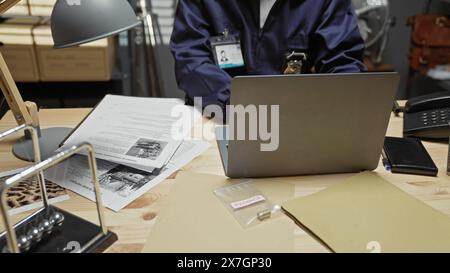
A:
(326, 30)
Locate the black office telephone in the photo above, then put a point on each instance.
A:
(427, 116)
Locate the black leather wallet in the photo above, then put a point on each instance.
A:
(408, 155)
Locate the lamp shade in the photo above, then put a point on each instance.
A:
(76, 22)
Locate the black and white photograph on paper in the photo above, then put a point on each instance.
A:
(120, 184)
(123, 180)
(147, 148)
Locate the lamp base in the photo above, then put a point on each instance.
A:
(49, 142)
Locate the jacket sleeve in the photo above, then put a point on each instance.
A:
(338, 45)
(196, 73)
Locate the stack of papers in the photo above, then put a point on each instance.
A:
(134, 143)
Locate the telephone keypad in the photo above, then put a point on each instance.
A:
(435, 117)
(434, 123)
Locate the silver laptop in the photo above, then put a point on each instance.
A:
(329, 123)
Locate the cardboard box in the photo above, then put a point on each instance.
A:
(33, 8)
(31, 59)
(42, 2)
(90, 62)
(20, 9)
(45, 11)
(31, 12)
(41, 7)
(18, 49)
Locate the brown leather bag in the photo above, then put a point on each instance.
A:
(430, 42)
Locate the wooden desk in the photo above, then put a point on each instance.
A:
(134, 223)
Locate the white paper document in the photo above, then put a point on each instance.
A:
(131, 131)
(120, 184)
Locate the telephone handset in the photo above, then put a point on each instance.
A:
(428, 116)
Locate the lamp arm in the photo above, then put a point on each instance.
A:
(13, 97)
(24, 113)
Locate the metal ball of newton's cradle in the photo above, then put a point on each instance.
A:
(23, 243)
(45, 226)
(34, 234)
(57, 218)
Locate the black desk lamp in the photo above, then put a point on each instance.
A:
(73, 22)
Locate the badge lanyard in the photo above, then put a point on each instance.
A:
(227, 50)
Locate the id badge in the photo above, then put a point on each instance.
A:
(227, 51)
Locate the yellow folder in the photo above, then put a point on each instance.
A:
(368, 214)
(194, 220)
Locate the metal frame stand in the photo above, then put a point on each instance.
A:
(51, 229)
